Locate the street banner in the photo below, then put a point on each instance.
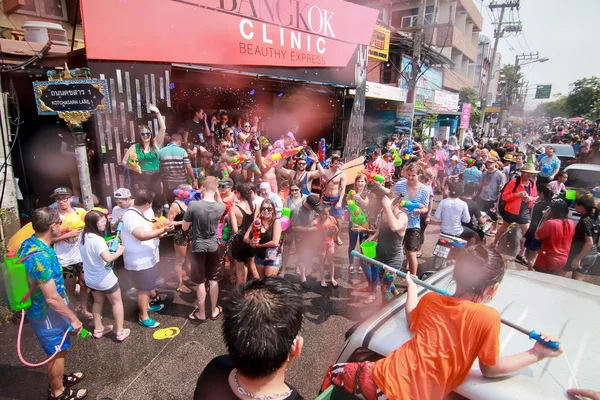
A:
(379, 47)
(89, 95)
(465, 116)
(404, 118)
(543, 91)
(444, 100)
(285, 33)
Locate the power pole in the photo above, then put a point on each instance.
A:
(416, 60)
(497, 35)
(513, 86)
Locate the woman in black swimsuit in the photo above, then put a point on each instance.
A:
(181, 239)
(241, 217)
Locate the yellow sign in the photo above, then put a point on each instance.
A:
(379, 48)
(166, 333)
(492, 109)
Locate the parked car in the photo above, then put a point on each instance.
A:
(564, 152)
(582, 177)
(555, 305)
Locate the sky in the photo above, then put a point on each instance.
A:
(563, 31)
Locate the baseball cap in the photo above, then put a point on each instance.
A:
(62, 191)
(226, 182)
(122, 193)
(313, 202)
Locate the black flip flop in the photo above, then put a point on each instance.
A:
(193, 317)
(219, 315)
(72, 379)
(70, 394)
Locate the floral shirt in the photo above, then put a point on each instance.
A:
(42, 265)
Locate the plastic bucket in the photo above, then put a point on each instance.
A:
(346, 216)
(570, 194)
(369, 249)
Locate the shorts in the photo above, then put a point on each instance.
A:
(261, 262)
(107, 291)
(422, 230)
(205, 266)
(486, 205)
(586, 266)
(181, 237)
(533, 244)
(240, 250)
(329, 248)
(72, 271)
(145, 279)
(517, 219)
(50, 331)
(412, 239)
(332, 201)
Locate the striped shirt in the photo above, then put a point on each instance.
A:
(172, 165)
(414, 220)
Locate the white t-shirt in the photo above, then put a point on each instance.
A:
(117, 212)
(556, 187)
(67, 250)
(138, 255)
(98, 274)
(452, 212)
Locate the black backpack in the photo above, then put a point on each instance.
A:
(502, 203)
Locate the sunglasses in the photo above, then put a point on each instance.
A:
(294, 190)
(300, 164)
(62, 199)
(266, 209)
(145, 134)
(224, 119)
(247, 126)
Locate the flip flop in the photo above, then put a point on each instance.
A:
(326, 285)
(73, 379)
(183, 289)
(335, 285)
(99, 333)
(219, 315)
(194, 317)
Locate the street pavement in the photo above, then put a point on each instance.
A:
(142, 367)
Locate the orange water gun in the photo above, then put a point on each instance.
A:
(284, 154)
(160, 222)
(74, 221)
(134, 162)
(240, 158)
(372, 175)
(256, 228)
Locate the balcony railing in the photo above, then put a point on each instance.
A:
(411, 20)
(449, 36)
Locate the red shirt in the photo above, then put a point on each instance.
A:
(556, 236)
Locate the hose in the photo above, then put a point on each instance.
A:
(19, 344)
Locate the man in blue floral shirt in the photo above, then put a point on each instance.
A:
(49, 314)
(549, 165)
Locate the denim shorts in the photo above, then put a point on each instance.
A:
(50, 331)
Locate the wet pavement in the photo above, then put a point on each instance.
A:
(142, 367)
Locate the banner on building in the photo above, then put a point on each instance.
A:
(430, 79)
(376, 90)
(404, 118)
(379, 48)
(445, 101)
(465, 116)
(543, 91)
(286, 33)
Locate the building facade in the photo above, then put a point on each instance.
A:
(482, 65)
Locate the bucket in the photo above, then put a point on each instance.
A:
(369, 249)
(346, 216)
(570, 194)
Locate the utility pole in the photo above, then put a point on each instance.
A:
(497, 35)
(513, 85)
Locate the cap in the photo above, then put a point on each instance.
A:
(62, 191)
(226, 182)
(313, 201)
(122, 193)
(320, 207)
(454, 157)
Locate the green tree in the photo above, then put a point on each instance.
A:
(508, 84)
(584, 98)
(552, 109)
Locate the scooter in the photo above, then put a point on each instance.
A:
(442, 250)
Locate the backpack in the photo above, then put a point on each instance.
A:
(502, 203)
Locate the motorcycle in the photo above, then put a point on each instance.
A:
(443, 248)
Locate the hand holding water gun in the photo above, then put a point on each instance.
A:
(73, 221)
(350, 195)
(285, 153)
(187, 195)
(134, 162)
(256, 232)
(372, 175)
(239, 159)
(411, 206)
(114, 244)
(396, 158)
(162, 222)
(322, 150)
(357, 216)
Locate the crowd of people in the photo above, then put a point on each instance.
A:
(228, 197)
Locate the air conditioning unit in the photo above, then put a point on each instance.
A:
(41, 32)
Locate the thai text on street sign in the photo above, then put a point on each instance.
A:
(543, 91)
(88, 95)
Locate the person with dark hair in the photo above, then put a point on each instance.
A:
(301, 175)
(241, 217)
(532, 245)
(556, 234)
(584, 250)
(49, 315)
(140, 257)
(146, 151)
(226, 165)
(261, 330)
(453, 212)
(477, 218)
(304, 228)
(558, 185)
(181, 239)
(196, 130)
(267, 245)
(203, 217)
(549, 165)
(464, 330)
(99, 274)
(175, 168)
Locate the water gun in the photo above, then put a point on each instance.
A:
(187, 195)
(411, 206)
(134, 162)
(350, 195)
(322, 150)
(285, 153)
(372, 175)
(408, 150)
(357, 216)
(226, 229)
(114, 244)
(256, 229)
(240, 158)
(160, 222)
(469, 161)
(397, 159)
(71, 222)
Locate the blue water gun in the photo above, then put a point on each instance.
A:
(187, 195)
(114, 244)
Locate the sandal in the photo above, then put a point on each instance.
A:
(521, 260)
(70, 394)
(156, 299)
(123, 335)
(194, 317)
(324, 285)
(334, 284)
(219, 315)
(339, 242)
(87, 315)
(183, 289)
(72, 379)
(351, 270)
(98, 333)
